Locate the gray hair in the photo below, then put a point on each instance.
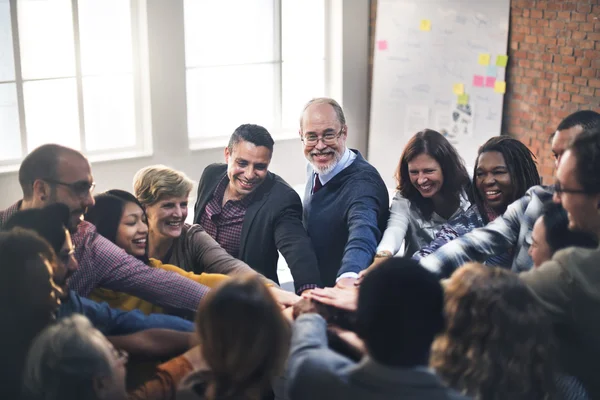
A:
(325, 100)
(152, 183)
(63, 361)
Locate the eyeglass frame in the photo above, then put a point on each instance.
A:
(558, 189)
(318, 138)
(72, 186)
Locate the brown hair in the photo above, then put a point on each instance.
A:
(456, 177)
(244, 339)
(498, 343)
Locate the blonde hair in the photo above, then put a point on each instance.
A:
(325, 100)
(152, 183)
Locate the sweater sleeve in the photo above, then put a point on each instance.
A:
(397, 225)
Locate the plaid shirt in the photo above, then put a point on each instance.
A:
(509, 232)
(225, 223)
(104, 264)
(459, 226)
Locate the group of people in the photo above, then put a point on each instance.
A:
(454, 289)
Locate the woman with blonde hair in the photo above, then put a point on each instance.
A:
(244, 341)
(499, 342)
(164, 192)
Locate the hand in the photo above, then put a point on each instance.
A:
(345, 299)
(349, 337)
(288, 314)
(346, 283)
(304, 306)
(374, 264)
(283, 297)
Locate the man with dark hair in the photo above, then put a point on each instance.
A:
(510, 232)
(253, 213)
(569, 285)
(400, 311)
(57, 174)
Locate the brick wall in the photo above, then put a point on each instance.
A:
(554, 69)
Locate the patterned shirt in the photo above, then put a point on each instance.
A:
(510, 232)
(225, 223)
(104, 264)
(461, 225)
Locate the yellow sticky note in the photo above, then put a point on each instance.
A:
(458, 89)
(501, 61)
(500, 87)
(425, 25)
(484, 59)
(463, 99)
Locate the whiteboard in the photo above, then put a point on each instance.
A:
(424, 50)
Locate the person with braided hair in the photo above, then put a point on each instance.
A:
(504, 170)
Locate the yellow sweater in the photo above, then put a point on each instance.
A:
(127, 302)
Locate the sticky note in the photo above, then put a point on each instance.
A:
(490, 81)
(477, 80)
(463, 99)
(382, 45)
(484, 59)
(425, 25)
(491, 70)
(458, 88)
(500, 87)
(502, 61)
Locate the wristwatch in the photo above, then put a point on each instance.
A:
(383, 253)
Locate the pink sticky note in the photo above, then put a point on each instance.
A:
(490, 81)
(382, 44)
(477, 80)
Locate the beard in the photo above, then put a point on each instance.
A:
(337, 156)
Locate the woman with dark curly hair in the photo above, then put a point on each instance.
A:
(498, 343)
(433, 184)
(504, 170)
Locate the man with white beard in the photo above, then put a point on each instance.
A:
(345, 202)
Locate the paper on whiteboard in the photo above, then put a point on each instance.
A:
(416, 119)
(461, 126)
(442, 120)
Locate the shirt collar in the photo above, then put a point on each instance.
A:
(220, 192)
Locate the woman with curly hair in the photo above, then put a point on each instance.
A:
(498, 343)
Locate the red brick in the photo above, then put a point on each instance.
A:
(537, 30)
(514, 45)
(592, 54)
(551, 94)
(597, 92)
(595, 83)
(550, 32)
(586, 44)
(558, 25)
(525, 12)
(580, 81)
(536, 14)
(582, 62)
(592, 18)
(588, 72)
(566, 15)
(566, 51)
(584, 8)
(533, 74)
(552, 76)
(557, 67)
(579, 35)
(587, 91)
(547, 57)
(564, 96)
(521, 29)
(546, 40)
(520, 54)
(598, 45)
(549, 14)
(579, 17)
(530, 39)
(574, 70)
(587, 27)
(524, 63)
(541, 22)
(578, 53)
(537, 65)
(594, 36)
(568, 6)
(565, 78)
(578, 99)
(568, 60)
(571, 88)
(518, 37)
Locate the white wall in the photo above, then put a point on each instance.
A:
(347, 69)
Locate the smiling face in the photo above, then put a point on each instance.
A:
(426, 175)
(247, 166)
(493, 181)
(583, 209)
(167, 216)
(132, 233)
(320, 119)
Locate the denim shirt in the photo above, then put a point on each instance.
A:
(111, 321)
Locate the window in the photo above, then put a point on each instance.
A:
(71, 73)
(251, 61)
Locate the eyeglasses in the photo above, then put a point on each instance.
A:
(79, 188)
(559, 190)
(328, 139)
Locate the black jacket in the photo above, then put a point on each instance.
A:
(273, 222)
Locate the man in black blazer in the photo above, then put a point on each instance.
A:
(252, 213)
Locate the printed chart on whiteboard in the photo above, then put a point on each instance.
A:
(439, 65)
